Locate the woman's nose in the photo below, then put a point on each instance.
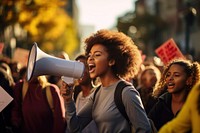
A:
(171, 77)
(91, 57)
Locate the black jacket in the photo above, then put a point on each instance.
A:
(161, 113)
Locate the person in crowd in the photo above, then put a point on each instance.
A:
(38, 107)
(148, 79)
(6, 67)
(135, 81)
(7, 83)
(85, 86)
(15, 68)
(22, 72)
(84, 83)
(179, 76)
(113, 57)
(188, 118)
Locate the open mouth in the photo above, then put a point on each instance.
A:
(170, 85)
(91, 68)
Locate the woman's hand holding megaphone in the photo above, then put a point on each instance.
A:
(66, 91)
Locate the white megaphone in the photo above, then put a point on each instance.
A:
(40, 63)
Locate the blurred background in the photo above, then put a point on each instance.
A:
(62, 25)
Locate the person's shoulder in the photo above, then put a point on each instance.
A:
(129, 91)
(54, 88)
(128, 86)
(165, 97)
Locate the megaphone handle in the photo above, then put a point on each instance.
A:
(66, 89)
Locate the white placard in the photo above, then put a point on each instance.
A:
(5, 98)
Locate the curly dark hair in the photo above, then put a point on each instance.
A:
(192, 69)
(120, 48)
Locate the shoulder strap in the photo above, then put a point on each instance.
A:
(95, 92)
(119, 103)
(118, 98)
(49, 97)
(24, 89)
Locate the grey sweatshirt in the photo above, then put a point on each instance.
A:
(106, 115)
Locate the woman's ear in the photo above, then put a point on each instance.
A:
(189, 81)
(111, 62)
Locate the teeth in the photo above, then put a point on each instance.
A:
(170, 84)
(91, 65)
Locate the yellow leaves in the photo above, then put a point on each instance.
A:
(49, 24)
(47, 14)
(45, 21)
(30, 22)
(54, 2)
(33, 26)
(49, 46)
(25, 16)
(60, 23)
(72, 43)
(52, 18)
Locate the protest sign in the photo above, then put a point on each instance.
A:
(5, 98)
(168, 51)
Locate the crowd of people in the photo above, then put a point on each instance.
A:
(154, 99)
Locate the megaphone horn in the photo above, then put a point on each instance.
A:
(40, 63)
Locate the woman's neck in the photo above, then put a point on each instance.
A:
(179, 97)
(86, 89)
(108, 80)
(177, 102)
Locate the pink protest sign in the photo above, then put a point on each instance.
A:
(168, 51)
(1, 47)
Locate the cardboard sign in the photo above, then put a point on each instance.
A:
(169, 51)
(1, 47)
(5, 98)
(21, 56)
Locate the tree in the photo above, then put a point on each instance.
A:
(46, 23)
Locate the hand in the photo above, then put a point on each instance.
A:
(66, 91)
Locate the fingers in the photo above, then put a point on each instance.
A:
(66, 91)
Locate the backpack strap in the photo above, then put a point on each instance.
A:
(95, 92)
(118, 98)
(119, 103)
(49, 97)
(24, 89)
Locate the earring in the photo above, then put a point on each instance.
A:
(111, 62)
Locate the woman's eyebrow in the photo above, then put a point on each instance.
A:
(97, 51)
